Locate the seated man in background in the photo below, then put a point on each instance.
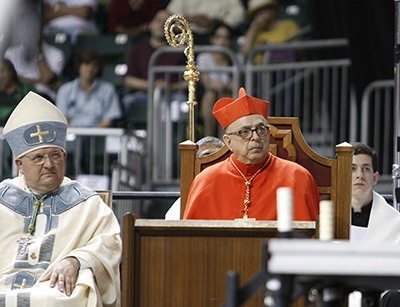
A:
(203, 15)
(73, 17)
(267, 28)
(131, 17)
(136, 80)
(245, 184)
(60, 242)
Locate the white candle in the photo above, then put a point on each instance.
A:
(326, 226)
(284, 201)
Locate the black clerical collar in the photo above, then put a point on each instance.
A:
(361, 219)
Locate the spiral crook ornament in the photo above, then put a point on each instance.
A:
(177, 32)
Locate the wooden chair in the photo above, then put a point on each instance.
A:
(106, 196)
(333, 176)
(184, 263)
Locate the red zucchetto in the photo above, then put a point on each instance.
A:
(226, 110)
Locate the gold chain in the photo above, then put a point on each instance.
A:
(247, 183)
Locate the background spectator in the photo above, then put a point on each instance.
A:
(131, 17)
(73, 17)
(216, 84)
(203, 15)
(265, 27)
(35, 61)
(88, 101)
(136, 79)
(20, 23)
(12, 90)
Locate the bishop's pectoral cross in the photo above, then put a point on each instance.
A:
(21, 285)
(24, 243)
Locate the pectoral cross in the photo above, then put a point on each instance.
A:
(24, 243)
(20, 286)
(42, 206)
(245, 212)
(39, 133)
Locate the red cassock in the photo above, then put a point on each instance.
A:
(219, 191)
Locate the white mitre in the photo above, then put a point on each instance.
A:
(35, 123)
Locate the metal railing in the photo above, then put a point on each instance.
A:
(318, 90)
(94, 145)
(90, 151)
(310, 80)
(377, 122)
(167, 119)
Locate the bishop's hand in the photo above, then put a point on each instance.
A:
(64, 275)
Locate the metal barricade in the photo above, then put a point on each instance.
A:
(102, 158)
(377, 122)
(76, 142)
(309, 80)
(136, 202)
(91, 150)
(167, 119)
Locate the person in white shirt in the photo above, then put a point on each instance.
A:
(73, 17)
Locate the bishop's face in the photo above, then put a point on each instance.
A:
(43, 169)
(254, 148)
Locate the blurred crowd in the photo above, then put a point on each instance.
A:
(73, 80)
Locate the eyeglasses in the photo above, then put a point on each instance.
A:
(55, 157)
(247, 133)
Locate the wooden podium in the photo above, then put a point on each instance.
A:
(185, 263)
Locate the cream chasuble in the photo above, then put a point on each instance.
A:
(73, 221)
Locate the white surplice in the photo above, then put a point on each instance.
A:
(383, 226)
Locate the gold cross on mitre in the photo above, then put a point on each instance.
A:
(39, 133)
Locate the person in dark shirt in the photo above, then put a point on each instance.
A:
(136, 79)
(12, 90)
(131, 17)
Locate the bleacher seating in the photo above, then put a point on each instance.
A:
(114, 73)
(114, 48)
(61, 41)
